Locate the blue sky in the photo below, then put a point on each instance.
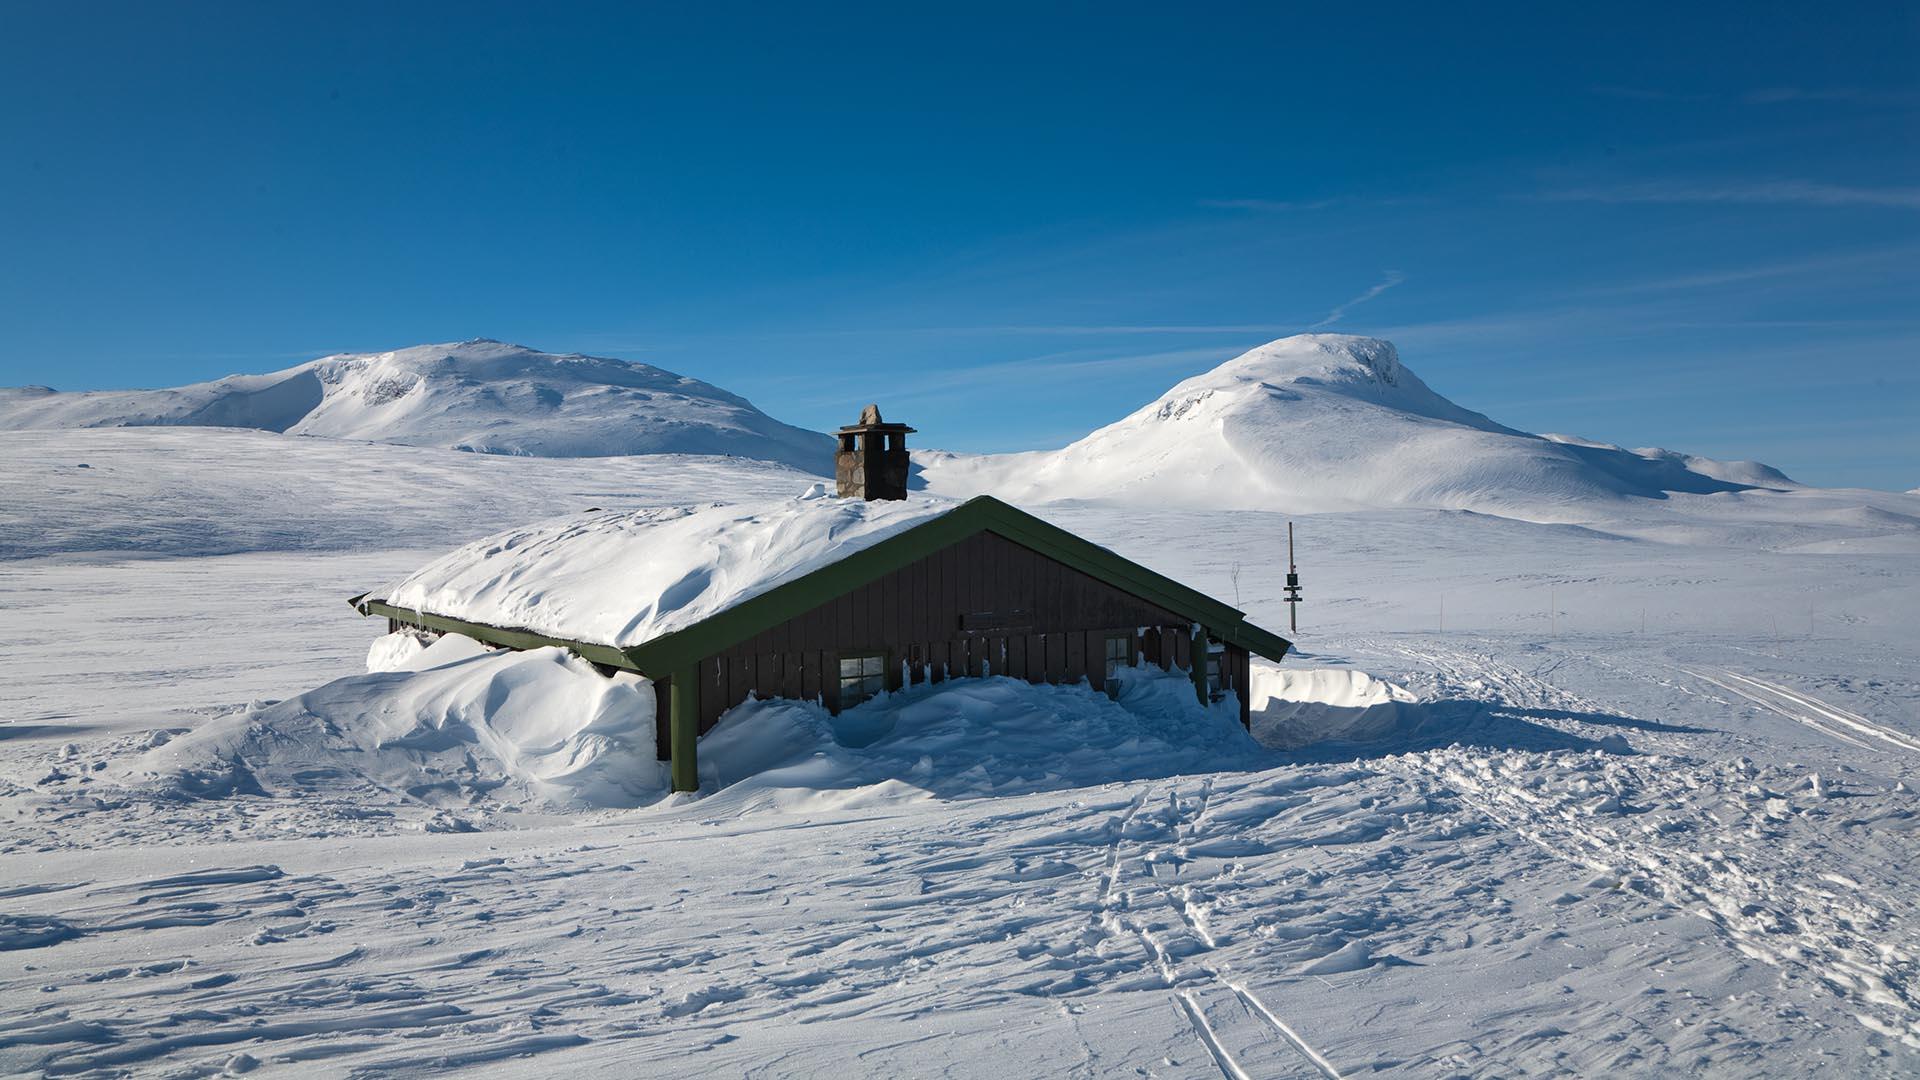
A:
(1694, 226)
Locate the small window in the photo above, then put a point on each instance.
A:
(1119, 653)
(861, 677)
(1216, 660)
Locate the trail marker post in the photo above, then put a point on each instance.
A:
(1293, 586)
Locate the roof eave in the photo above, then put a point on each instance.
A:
(509, 636)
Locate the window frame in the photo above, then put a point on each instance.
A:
(882, 673)
(1124, 660)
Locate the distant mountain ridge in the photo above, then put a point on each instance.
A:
(482, 395)
(1329, 422)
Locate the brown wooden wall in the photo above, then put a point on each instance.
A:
(951, 614)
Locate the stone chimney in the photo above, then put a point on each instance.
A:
(871, 460)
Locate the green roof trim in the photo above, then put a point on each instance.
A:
(508, 636)
(663, 655)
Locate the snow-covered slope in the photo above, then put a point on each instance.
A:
(479, 395)
(1327, 422)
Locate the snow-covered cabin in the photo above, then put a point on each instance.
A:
(824, 598)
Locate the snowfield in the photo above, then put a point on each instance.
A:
(1623, 789)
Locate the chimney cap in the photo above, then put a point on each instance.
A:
(870, 421)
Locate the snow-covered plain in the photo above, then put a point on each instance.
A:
(1632, 795)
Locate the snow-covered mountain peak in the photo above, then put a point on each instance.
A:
(1310, 367)
(1315, 358)
(482, 395)
(1334, 422)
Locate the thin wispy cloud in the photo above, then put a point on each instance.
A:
(1119, 328)
(1273, 206)
(629, 343)
(1767, 95)
(1824, 266)
(1768, 192)
(1268, 205)
(1394, 277)
(1053, 367)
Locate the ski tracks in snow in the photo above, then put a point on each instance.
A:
(1831, 720)
(1137, 909)
(1789, 877)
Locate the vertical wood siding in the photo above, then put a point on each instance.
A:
(985, 603)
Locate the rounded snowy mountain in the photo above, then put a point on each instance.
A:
(1326, 422)
(482, 395)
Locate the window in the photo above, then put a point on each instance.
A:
(1119, 653)
(1216, 659)
(861, 677)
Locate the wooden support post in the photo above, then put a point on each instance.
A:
(685, 726)
(1198, 654)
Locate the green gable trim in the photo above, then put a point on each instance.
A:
(508, 636)
(1224, 622)
(683, 648)
(981, 514)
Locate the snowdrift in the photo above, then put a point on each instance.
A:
(1331, 422)
(1292, 708)
(970, 738)
(447, 726)
(481, 395)
(454, 726)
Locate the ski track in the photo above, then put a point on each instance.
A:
(1809, 710)
(541, 952)
(1649, 823)
(1221, 1056)
(1320, 1064)
(1165, 943)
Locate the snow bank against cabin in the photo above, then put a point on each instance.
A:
(1293, 707)
(448, 725)
(970, 738)
(626, 578)
(453, 726)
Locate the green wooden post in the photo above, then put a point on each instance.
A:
(684, 727)
(1198, 654)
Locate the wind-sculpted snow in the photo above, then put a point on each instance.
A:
(481, 395)
(452, 731)
(1324, 422)
(536, 728)
(1295, 706)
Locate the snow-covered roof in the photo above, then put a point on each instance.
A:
(623, 579)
